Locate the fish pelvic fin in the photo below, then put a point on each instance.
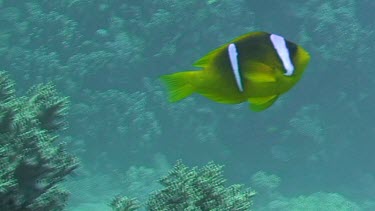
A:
(262, 103)
(180, 85)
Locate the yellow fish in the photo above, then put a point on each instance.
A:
(256, 67)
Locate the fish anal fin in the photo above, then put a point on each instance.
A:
(262, 103)
(222, 100)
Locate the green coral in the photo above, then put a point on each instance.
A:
(32, 162)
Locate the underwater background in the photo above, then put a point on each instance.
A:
(86, 124)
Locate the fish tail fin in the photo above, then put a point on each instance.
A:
(179, 84)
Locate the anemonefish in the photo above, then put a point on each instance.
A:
(256, 67)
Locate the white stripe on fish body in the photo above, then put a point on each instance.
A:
(232, 51)
(282, 50)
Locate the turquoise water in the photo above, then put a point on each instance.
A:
(312, 150)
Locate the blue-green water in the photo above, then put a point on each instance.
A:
(312, 150)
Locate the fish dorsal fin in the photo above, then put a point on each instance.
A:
(202, 62)
(259, 72)
(262, 103)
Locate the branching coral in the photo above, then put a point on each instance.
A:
(49, 109)
(6, 88)
(266, 185)
(32, 163)
(332, 27)
(316, 201)
(307, 123)
(124, 204)
(265, 181)
(199, 189)
(195, 188)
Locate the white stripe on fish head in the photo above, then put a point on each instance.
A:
(282, 50)
(232, 52)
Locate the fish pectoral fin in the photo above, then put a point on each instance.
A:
(261, 77)
(259, 72)
(262, 103)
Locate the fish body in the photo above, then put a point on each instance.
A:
(256, 67)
